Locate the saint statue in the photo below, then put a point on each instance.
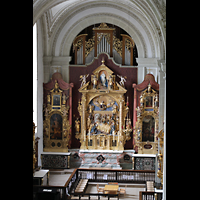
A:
(103, 79)
(110, 82)
(94, 81)
(77, 125)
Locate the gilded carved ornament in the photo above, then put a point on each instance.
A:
(104, 122)
(56, 126)
(146, 128)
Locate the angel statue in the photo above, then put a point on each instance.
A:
(123, 79)
(83, 79)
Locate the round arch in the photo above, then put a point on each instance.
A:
(138, 28)
(78, 27)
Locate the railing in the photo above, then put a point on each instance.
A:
(97, 195)
(120, 176)
(95, 175)
(144, 195)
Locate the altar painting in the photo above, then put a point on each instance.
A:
(148, 124)
(56, 127)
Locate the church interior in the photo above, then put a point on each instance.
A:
(99, 99)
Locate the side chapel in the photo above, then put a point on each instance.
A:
(101, 97)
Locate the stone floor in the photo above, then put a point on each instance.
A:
(59, 178)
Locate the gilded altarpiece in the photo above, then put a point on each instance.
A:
(104, 124)
(57, 115)
(146, 123)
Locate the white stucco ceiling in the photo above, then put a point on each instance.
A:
(62, 20)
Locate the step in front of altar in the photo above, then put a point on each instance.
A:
(100, 159)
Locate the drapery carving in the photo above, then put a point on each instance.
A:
(62, 84)
(149, 78)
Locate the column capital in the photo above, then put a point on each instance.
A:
(147, 62)
(47, 60)
(61, 60)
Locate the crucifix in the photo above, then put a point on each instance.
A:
(57, 68)
(149, 71)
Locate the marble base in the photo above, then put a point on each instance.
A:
(55, 160)
(101, 159)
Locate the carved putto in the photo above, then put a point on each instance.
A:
(123, 80)
(83, 79)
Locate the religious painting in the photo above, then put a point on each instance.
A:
(149, 101)
(148, 126)
(56, 100)
(56, 127)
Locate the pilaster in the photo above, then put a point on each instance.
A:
(47, 63)
(56, 64)
(146, 66)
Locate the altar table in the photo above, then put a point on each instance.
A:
(111, 189)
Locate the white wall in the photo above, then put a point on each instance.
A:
(35, 76)
(40, 91)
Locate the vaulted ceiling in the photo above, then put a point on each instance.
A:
(62, 20)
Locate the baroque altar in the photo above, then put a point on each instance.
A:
(146, 124)
(105, 124)
(57, 114)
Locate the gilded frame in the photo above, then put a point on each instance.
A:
(148, 147)
(56, 130)
(111, 104)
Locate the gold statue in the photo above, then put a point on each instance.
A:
(77, 125)
(149, 88)
(48, 99)
(110, 82)
(114, 111)
(64, 99)
(94, 81)
(91, 108)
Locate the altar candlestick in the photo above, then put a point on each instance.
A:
(118, 137)
(84, 136)
(127, 102)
